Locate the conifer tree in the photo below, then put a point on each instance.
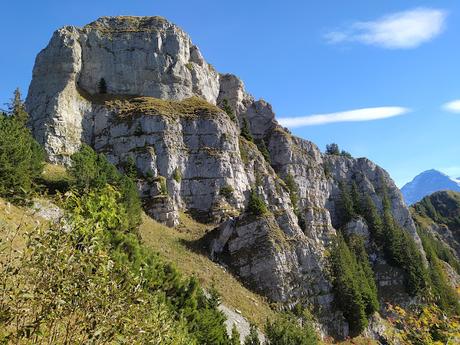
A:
(245, 131)
(21, 159)
(346, 204)
(235, 339)
(17, 109)
(252, 338)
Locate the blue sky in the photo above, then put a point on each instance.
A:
(305, 58)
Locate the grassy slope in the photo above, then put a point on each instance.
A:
(178, 246)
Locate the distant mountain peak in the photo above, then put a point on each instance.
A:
(426, 183)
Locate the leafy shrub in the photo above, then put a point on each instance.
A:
(424, 325)
(256, 204)
(90, 170)
(66, 287)
(21, 159)
(288, 330)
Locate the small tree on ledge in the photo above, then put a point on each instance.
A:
(102, 86)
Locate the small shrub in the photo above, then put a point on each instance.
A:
(256, 205)
(227, 191)
(177, 175)
(163, 185)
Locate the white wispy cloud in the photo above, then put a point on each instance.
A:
(401, 30)
(364, 114)
(453, 106)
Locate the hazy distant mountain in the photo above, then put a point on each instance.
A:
(426, 183)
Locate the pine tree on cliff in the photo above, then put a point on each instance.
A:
(102, 86)
(347, 209)
(245, 131)
(348, 286)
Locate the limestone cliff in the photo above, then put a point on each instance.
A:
(160, 107)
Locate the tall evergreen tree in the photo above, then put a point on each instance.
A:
(350, 287)
(347, 209)
(21, 159)
(17, 109)
(245, 131)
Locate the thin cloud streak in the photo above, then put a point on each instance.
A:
(453, 106)
(401, 30)
(357, 115)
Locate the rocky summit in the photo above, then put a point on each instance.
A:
(138, 90)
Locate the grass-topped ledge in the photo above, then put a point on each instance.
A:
(192, 106)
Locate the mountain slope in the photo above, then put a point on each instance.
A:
(198, 143)
(426, 183)
(440, 212)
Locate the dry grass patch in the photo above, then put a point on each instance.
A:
(177, 246)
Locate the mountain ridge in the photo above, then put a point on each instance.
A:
(426, 183)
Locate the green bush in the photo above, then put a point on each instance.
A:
(288, 330)
(177, 175)
(68, 287)
(21, 159)
(256, 204)
(90, 170)
(227, 191)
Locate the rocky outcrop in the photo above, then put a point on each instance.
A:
(145, 56)
(159, 108)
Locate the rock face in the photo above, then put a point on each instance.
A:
(145, 56)
(159, 108)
